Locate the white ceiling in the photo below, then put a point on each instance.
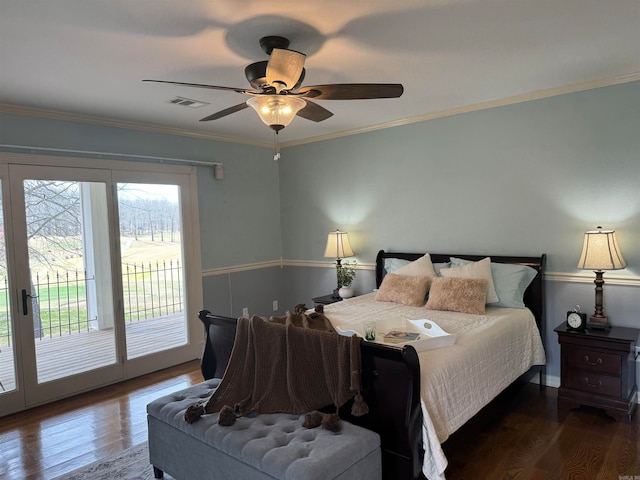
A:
(88, 57)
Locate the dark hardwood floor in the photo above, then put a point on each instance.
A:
(48, 441)
(518, 437)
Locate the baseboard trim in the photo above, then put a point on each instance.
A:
(550, 381)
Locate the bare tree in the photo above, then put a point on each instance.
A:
(54, 224)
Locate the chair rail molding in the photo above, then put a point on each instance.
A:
(568, 277)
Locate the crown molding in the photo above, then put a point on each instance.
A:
(108, 122)
(525, 97)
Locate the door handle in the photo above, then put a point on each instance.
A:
(25, 295)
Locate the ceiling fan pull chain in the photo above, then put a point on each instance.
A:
(276, 148)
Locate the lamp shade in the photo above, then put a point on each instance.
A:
(600, 251)
(338, 245)
(276, 111)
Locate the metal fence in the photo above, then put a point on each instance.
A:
(61, 307)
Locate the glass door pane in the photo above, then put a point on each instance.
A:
(71, 289)
(152, 267)
(7, 340)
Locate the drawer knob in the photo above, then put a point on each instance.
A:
(588, 360)
(592, 385)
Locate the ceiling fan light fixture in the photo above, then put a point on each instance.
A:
(276, 111)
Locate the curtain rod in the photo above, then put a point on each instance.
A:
(130, 155)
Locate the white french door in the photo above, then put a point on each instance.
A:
(97, 288)
(53, 240)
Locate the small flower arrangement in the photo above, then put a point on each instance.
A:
(346, 273)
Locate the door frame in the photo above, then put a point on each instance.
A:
(119, 171)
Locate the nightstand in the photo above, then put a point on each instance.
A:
(326, 299)
(598, 368)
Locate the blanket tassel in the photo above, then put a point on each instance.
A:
(193, 413)
(359, 406)
(227, 416)
(331, 422)
(312, 420)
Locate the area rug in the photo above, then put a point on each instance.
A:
(130, 464)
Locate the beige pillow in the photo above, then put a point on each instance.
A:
(421, 267)
(466, 295)
(404, 289)
(481, 269)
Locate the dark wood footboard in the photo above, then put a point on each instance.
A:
(220, 334)
(391, 388)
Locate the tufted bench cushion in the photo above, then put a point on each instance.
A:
(267, 446)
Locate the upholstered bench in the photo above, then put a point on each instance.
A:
(267, 446)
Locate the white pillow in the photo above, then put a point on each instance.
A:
(421, 267)
(393, 264)
(481, 269)
(510, 280)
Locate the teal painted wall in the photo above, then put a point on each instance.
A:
(520, 179)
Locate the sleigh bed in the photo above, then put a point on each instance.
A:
(414, 410)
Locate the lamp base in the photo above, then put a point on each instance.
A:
(599, 323)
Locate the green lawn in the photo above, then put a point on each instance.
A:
(61, 290)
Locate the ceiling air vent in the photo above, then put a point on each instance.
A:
(187, 102)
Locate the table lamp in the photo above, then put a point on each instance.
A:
(338, 247)
(600, 252)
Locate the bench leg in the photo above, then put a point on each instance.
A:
(157, 473)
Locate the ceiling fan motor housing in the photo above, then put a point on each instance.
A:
(256, 74)
(273, 41)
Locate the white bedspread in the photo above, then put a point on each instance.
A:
(490, 352)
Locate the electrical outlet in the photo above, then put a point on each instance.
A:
(275, 305)
(245, 312)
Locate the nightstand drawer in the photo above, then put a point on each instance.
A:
(594, 383)
(594, 361)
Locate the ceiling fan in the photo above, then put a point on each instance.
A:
(277, 95)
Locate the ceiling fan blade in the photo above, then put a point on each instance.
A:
(200, 85)
(352, 91)
(284, 68)
(314, 112)
(225, 112)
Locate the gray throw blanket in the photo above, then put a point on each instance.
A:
(294, 364)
